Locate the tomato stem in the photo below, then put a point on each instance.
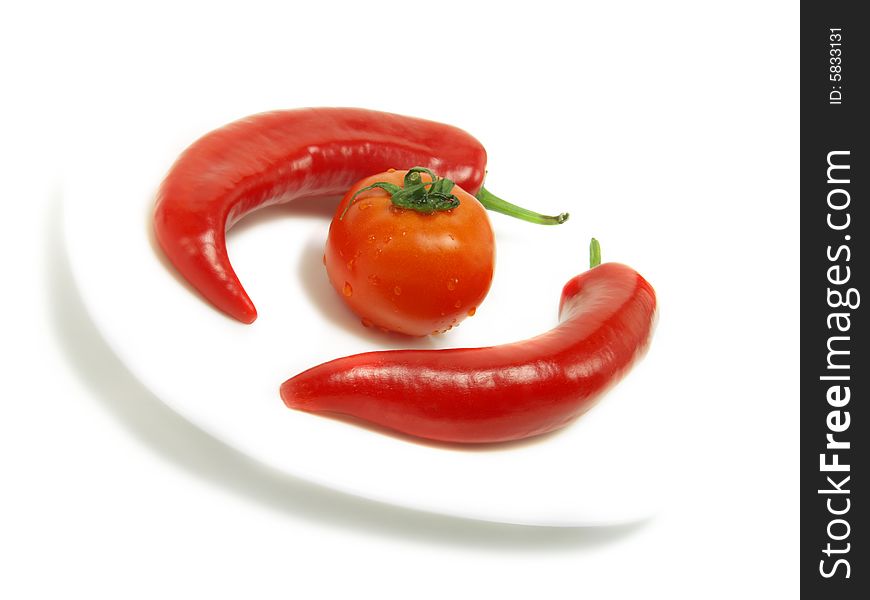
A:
(492, 202)
(594, 253)
(422, 196)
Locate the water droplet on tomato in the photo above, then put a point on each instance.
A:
(347, 291)
(391, 170)
(404, 233)
(472, 311)
(388, 239)
(364, 205)
(366, 323)
(350, 264)
(372, 238)
(373, 280)
(452, 283)
(457, 304)
(397, 291)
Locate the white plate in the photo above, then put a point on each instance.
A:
(224, 376)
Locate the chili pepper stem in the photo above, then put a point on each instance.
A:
(492, 202)
(594, 253)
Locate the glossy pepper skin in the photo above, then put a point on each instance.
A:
(278, 156)
(500, 393)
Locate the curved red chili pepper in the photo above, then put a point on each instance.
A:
(278, 156)
(500, 393)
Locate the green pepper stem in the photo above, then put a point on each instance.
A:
(492, 202)
(594, 253)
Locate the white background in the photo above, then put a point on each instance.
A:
(695, 105)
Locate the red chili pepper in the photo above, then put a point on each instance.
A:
(500, 393)
(278, 156)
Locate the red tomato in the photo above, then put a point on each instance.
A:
(407, 271)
